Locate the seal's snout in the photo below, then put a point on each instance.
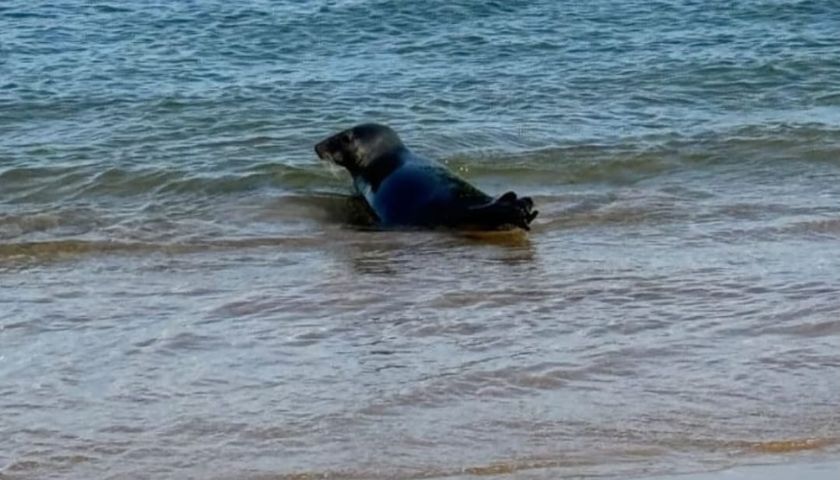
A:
(321, 150)
(331, 149)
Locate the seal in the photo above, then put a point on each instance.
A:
(404, 189)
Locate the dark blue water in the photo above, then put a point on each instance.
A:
(182, 293)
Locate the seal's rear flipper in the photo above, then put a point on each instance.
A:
(506, 211)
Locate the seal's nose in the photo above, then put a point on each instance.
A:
(319, 149)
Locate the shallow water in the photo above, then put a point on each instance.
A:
(184, 292)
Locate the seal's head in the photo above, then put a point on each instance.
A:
(358, 148)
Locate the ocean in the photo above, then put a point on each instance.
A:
(184, 292)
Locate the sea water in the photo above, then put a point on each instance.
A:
(184, 294)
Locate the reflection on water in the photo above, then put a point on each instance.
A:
(398, 252)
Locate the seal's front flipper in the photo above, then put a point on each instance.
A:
(506, 211)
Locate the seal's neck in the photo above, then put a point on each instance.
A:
(383, 165)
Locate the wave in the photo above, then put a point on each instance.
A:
(303, 221)
(176, 227)
(621, 162)
(725, 184)
(59, 248)
(48, 184)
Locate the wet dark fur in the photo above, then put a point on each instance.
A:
(404, 189)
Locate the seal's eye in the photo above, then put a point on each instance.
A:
(347, 138)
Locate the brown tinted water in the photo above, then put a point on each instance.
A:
(650, 326)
